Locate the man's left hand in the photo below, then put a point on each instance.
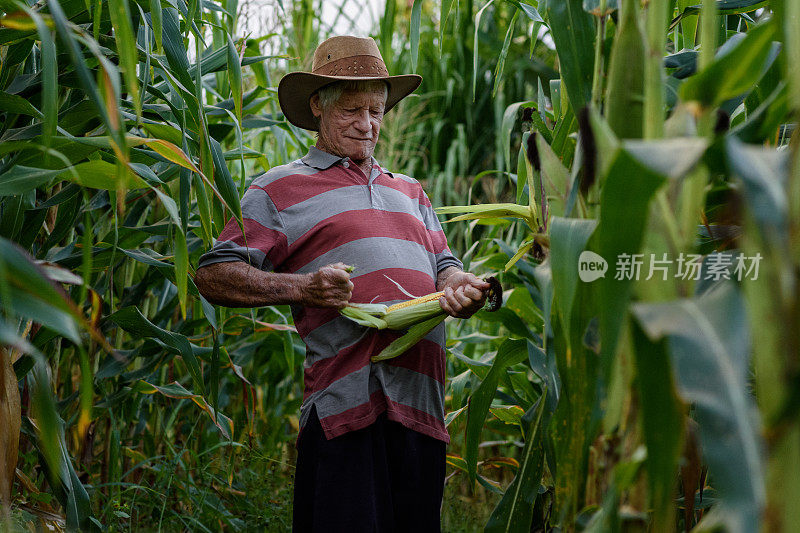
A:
(464, 294)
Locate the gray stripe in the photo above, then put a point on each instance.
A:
(394, 200)
(430, 218)
(304, 215)
(437, 335)
(351, 390)
(258, 206)
(332, 337)
(227, 251)
(411, 388)
(376, 253)
(399, 384)
(446, 259)
(343, 394)
(398, 201)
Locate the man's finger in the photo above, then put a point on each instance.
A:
(479, 283)
(462, 298)
(445, 305)
(452, 300)
(341, 266)
(473, 292)
(339, 274)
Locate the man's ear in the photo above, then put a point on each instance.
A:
(313, 102)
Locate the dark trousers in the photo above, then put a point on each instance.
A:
(383, 478)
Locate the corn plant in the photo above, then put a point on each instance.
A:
(670, 132)
(122, 126)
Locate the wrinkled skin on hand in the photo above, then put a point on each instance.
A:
(330, 286)
(464, 294)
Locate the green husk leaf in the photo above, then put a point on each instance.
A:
(414, 335)
(413, 314)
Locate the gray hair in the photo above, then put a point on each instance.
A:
(330, 94)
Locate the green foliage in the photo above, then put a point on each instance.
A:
(665, 196)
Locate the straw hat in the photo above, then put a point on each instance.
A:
(339, 58)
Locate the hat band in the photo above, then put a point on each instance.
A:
(362, 65)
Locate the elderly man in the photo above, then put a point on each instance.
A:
(371, 450)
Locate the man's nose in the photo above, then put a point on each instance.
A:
(362, 122)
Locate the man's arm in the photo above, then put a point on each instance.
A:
(237, 284)
(464, 293)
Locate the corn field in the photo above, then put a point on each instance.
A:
(628, 170)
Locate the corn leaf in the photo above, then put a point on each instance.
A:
(126, 48)
(735, 72)
(510, 353)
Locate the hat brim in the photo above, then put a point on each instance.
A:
(296, 88)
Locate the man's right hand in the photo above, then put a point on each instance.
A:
(330, 286)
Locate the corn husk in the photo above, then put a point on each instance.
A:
(406, 317)
(396, 317)
(419, 316)
(364, 317)
(415, 334)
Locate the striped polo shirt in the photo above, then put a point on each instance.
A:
(320, 210)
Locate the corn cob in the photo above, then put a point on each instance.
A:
(415, 301)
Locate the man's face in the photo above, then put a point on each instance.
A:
(350, 127)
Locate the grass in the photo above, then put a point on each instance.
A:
(464, 512)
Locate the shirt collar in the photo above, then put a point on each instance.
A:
(323, 160)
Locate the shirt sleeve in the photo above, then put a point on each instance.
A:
(263, 243)
(444, 257)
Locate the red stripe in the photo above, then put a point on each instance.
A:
(412, 190)
(325, 371)
(310, 318)
(272, 242)
(376, 285)
(438, 241)
(356, 418)
(295, 188)
(417, 420)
